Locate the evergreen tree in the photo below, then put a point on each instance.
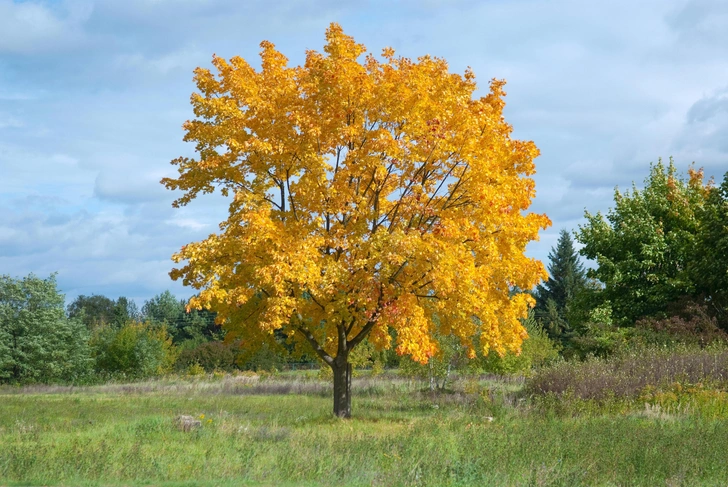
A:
(566, 278)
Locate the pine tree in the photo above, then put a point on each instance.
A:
(566, 278)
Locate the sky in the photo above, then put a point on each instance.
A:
(93, 95)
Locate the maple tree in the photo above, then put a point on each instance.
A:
(365, 195)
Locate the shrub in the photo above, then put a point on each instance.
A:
(267, 358)
(210, 356)
(537, 350)
(38, 343)
(599, 339)
(627, 375)
(136, 350)
(690, 324)
(195, 370)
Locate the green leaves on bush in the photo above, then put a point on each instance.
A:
(210, 356)
(136, 350)
(537, 350)
(38, 343)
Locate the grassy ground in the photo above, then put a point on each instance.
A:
(280, 432)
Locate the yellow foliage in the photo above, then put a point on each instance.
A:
(365, 195)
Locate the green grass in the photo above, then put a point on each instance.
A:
(124, 435)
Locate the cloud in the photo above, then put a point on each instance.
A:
(703, 136)
(185, 59)
(31, 27)
(8, 121)
(128, 185)
(702, 21)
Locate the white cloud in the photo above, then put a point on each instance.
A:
(703, 136)
(30, 27)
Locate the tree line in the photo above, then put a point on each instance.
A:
(96, 338)
(659, 276)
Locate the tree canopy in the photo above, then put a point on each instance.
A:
(191, 328)
(710, 269)
(645, 246)
(365, 195)
(38, 343)
(97, 310)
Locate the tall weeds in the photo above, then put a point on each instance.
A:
(627, 375)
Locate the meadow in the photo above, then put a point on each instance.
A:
(279, 430)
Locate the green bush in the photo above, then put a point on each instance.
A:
(268, 357)
(210, 356)
(537, 350)
(38, 343)
(136, 350)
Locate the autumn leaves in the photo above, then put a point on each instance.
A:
(372, 199)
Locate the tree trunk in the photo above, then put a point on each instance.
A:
(342, 387)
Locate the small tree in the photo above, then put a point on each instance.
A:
(566, 279)
(364, 196)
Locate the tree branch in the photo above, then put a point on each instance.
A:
(361, 335)
(315, 345)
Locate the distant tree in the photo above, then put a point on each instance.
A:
(645, 246)
(566, 279)
(38, 342)
(163, 308)
(194, 327)
(710, 268)
(92, 310)
(125, 310)
(97, 310)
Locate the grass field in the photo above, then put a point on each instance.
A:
(279, 431)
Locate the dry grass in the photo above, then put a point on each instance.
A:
(628, 375)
